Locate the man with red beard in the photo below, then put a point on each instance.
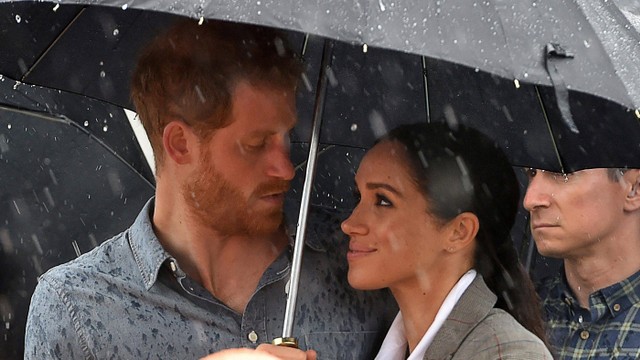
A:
(206, 263)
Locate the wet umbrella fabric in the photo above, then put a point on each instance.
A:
(502, 37)
(62, 192)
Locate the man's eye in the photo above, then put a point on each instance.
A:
(382, 200)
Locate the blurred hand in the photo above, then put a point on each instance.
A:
(239, 354)
(287, 353)
(263, 352)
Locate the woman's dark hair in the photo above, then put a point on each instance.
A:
(461, 170)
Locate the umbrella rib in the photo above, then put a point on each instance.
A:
(553, 139)
(65, 120)
(53, 43)
(426, 88)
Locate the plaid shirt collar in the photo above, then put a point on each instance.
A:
(607, 301)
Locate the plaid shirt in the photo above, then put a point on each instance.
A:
(609, 329)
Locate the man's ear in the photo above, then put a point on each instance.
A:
(462, 231)
(180, 142)
(631, 180)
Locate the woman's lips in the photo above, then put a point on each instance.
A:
(356, 252)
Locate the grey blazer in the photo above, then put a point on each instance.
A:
(477, 330)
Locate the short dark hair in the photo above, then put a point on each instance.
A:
(190, 72)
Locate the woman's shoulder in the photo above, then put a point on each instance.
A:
(500, 336)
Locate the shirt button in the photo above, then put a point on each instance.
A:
(584, 335)
(616, 307)
(253, 337)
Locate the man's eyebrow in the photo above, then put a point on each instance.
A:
(374, 186)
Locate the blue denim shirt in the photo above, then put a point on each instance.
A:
(129, 299)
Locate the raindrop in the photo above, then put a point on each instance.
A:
(332, 77)
(306, 82)
(526, 75)
(105, 128)
(9, 125)
(103, 74)
(279, 44)
(201, 21)
(76, 248)
(18, 19)
(354, 127)
(637, 115)
(116, 32)
(476, 70)
(516, 82)
(55, 8)
(365, 48)
(376, 121)
(125, 6)
(379, 27)
(587, 44)
(382, 7)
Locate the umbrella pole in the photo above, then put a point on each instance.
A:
(287, 330)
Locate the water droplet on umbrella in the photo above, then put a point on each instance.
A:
(637, 115)
(105, 128)
(201, 21)
(587, 44)
(125, 6)
(103, 74)
(382, 7)
(365, 48)
(86, 123)
(354, 127)
(516, 82)
(55, 8)
(18, 19)
(116, 32)
(9, 125)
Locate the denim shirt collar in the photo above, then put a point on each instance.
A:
(150, 255)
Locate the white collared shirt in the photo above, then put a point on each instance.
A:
(394, 345)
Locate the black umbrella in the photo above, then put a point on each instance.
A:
(493, 80)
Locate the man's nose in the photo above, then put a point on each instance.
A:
(280, 165)
(537, 194)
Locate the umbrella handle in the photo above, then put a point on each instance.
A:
(290, 342)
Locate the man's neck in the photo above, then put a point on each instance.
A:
(608, 265)
(229, 267)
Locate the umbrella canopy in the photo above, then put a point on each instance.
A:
(502, 37)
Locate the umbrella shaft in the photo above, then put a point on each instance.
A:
(296, 261)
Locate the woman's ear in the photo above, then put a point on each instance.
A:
(462, 231)
(180, 142)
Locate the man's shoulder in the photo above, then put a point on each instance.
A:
(110, 258)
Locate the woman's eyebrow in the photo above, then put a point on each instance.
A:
(374, 186)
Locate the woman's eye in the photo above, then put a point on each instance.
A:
(382, 200)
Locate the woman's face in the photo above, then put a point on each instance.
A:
(394, 241)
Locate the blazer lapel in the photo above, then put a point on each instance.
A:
(473, 306)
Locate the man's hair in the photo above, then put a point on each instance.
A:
(189, 73)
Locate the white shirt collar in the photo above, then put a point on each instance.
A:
(395, 343)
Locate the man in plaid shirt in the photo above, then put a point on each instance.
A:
(591, 220)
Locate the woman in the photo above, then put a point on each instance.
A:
(432, 224)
